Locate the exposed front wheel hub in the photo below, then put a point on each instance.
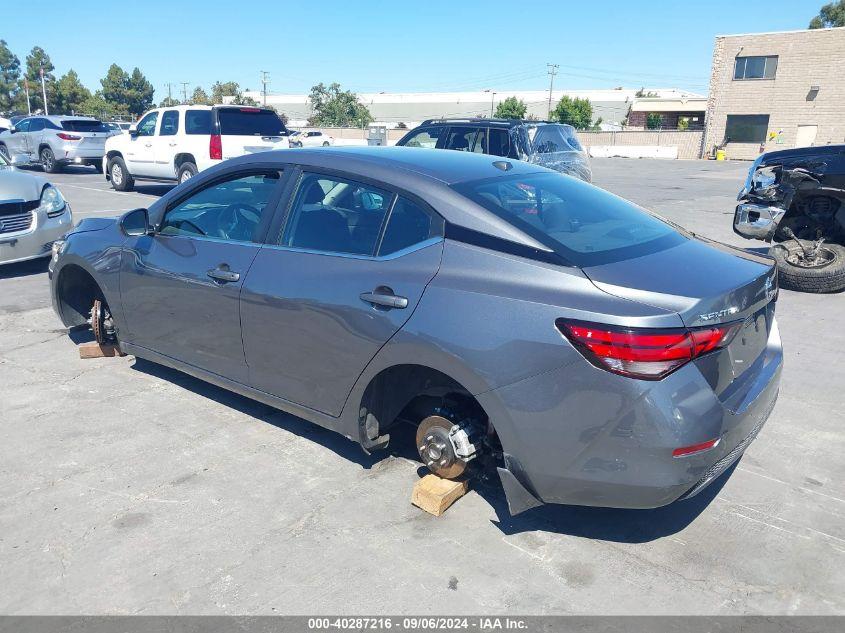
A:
(446, 447)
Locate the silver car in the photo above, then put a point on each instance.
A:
(33, 215)
(55, 141)
(592, 352)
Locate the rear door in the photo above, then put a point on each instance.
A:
(245, 130)
(165, 145)
(33, 137)
(180, 287)
(333, 286)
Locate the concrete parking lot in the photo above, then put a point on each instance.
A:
(129, 488)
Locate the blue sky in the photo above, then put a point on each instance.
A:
(395, 46)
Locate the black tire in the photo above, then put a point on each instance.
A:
(5, 151)
(827, 278)
(98, 166)
(121, 179)
(187, 170)
(325, 143)
(48, 161)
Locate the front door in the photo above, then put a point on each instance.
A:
(140, 155)
(181, 286)
(339, 280)
(18, 143)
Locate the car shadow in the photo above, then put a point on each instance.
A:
(298, 426)
(153, 189)
(25, 269)
(608, 524)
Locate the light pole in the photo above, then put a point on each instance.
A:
(43, 90)
(492, 97)
(264, 82)
(552, 72)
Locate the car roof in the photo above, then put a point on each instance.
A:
(814, 150)
(446, 166)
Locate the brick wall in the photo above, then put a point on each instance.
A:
(805, 59)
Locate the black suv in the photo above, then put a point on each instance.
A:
(552, 145)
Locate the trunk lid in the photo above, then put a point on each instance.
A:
(247, 130)
(706, 283)
(94, 133)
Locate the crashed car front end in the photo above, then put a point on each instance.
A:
(796, 200)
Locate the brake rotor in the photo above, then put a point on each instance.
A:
(436, 449)
(101, 322)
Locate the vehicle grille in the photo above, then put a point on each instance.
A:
(16, 216)
(723, 464)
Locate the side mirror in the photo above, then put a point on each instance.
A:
(12, 130)
(136, 223)
(133, 130)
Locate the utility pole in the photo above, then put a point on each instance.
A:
(264, 82)
(492, 96)
(552, 72)
(43, 90)
(169, 94)
(184, 91)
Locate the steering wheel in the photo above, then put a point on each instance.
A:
(238, 220)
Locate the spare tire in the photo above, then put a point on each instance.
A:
(825, 274)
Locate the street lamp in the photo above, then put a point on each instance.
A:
(492, 97)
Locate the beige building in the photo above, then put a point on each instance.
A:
(773, 91)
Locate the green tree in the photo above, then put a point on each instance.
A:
(10, 74)
(200, 97)
(337, 108)
(168, 102)
(830, 15)
(653, 121)
(125, 92)
(511, 108)
(115, 85)
(140, 93)
(71, 93)
(37, 60)
(97, 105)
(224, 89)
(576, 112)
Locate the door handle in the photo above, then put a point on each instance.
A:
(148, 144)
(223, 275)
(172, 144)
(385, 300)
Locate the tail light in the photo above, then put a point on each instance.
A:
(215, 147)
(68, 137)
(645, 353)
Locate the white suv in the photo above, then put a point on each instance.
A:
(177, 143)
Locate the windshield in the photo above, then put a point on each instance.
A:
(250, 122)
(586, 225)
(84, 125)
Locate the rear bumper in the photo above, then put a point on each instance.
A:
(587, 437)
(70, 154)
(35, 242)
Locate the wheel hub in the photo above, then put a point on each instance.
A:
(445, 447)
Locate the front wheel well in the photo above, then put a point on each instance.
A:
(410, 392)
(76, 291)
(113, 154)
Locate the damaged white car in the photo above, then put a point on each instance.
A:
(796, 199)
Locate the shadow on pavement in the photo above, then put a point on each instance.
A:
(608, 524)
(24, 269)
(153, 189)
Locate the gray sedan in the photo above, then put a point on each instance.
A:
(33, 215)
(590, 351)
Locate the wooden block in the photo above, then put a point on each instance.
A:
(95, 350)
(434, 494)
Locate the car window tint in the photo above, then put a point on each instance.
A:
(198, 122)
(336, 216)
(147, 126)
(169, 123)
(37, 125)
(500, 142)
(408, 224)
(228, 210)
(586, 224)
(427, 137)
(84, 125)
(467, 139)
(250, 122)
(23, 126)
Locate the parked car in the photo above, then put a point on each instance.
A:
(55, 141)
(796, 199)
(596, 353)
(118, 127)
(5, 124)
(177, 143)
(552, 145)
(33, 215)
(311, 138)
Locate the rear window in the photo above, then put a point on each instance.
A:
(548, 139)
(250, 122)
(84, 125)
(584, 224)
(198, 122)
